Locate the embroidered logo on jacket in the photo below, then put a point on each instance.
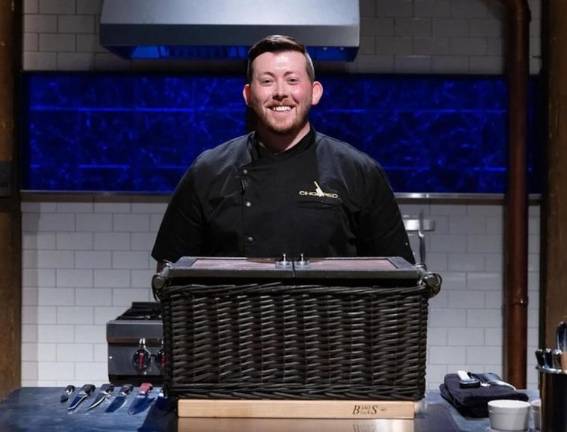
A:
(318, 192)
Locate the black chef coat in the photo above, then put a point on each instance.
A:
(322, 198)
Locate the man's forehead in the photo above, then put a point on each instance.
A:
(281, 61)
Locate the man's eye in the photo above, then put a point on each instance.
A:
(293, 80)
(265, 81)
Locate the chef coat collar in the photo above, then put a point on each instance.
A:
(258, 151)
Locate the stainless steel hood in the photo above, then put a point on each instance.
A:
(227, 28)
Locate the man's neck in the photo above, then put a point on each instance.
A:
(278, 143)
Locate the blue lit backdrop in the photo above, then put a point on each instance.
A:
(139, 132)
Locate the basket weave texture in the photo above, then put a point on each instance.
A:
(276, 341)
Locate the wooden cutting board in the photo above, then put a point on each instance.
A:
(296, 409)
(294, 425)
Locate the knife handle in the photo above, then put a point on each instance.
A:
(87, 389)
(126, 389)
(107, 388)
(539, 357)
(67, 392)
(145, 388)
(561, 336)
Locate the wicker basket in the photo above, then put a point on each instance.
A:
(278, 341)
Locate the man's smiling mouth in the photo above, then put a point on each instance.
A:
(281, 108)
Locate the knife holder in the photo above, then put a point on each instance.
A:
(553, 400)
(286, 339)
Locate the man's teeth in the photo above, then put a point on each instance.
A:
(281, 108)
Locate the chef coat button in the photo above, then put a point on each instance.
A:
(250, 239)
(248, 204)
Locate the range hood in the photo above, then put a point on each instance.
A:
(227, 28)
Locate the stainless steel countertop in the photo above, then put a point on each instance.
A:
(38, 409)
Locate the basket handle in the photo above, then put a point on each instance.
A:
(431, 281)
(159, 280)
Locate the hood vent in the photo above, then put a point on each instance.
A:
(150, 29)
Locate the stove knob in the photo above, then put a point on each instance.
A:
(160, 357)
(142, 357)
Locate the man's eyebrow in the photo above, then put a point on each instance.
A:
(289, 72)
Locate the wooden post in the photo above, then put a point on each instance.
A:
(553, 297)
(516, 205)
(10, 218)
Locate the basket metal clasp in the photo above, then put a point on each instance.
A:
(159, 280)
(284, 262)
(432, 281)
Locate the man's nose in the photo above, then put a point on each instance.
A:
(280, 89)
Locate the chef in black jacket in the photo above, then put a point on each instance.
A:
(284, 188)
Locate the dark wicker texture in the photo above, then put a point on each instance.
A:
(278, 341)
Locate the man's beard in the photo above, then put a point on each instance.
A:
(263, 121)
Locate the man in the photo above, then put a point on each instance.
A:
(283, 188)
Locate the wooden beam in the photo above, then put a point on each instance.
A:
(553, 306)
(10, 219)
(515, 322)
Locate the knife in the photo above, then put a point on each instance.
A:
(556, 354)
(142, 400)
(493, 379)
(121, 398)
(467, 380)
(561, 336)
(421, 238)
(67, 392)
(84, 393)
(539, 357)
(104, 393)
(548, 358)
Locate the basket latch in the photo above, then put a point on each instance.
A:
(432, 281)
(159, 280)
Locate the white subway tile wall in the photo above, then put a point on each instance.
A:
(84, 262)
(403, 36)
(75, 280)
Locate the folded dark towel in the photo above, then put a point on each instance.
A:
(473, 402)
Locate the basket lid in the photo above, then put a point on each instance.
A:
(226, 268)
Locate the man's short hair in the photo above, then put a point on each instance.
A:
(278, 43)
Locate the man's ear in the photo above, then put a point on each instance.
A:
(246, 93)
(317, 92)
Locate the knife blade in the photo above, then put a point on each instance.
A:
(120, 399)
(67, 392)
(494, 379)
(84, 393)
(142, 400)
(104, 393)
(467, 380)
